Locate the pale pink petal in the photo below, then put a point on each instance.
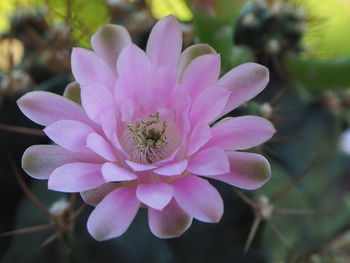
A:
(171, 169)
(201, 74)
(248, 171)
(109, 41)
(244, 82)
(138, 167)
(172, 221)
(96, 99)
(241, 133)
(156, 195)
(128, 108)
(69, 134)
(88, 68)
(210, 161)
(133, 61)
(191, 53)
(165, 42)
(200, 135)
(128, 96)
(112, 172)
(45, 108)
(109, 123)
(94, 196)
(135, 78)
(198, 198)
(182, 108)
(76, 177)
(39, 161)
(208, 105)
(114, 214)
(99, 145)
(163, 84)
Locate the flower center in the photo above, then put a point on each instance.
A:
(149, 138)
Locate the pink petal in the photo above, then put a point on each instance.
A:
(134, 71)
(39, 161)
(156, 195)
(133, 61)
(241, 133)
(99, 145)
(176, 168)
(114, 214)
(45, 108)
(200, 135)
(208, 105)
(94, 196)
(138, 167)
(128, 99)
(191, 53)
(212, 161)
(127, 106)
(163, 84)
(69, 134)
(88, 68)
(76, 177)
(96, 99)
(172, 221)
(109, 121)
(248, 171)
(198, 198)
(114, 173)
(109, 41)
(165, 42)
(182, 108)
(244, 82)
(201, 74)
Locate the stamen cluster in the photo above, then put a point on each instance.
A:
(150, 140)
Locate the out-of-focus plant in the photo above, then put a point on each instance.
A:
(271, 28)
(213, 22)
(178, 8)
(329, 34)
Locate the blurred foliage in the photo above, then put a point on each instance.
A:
(7, 8)
(329, 33)
(307, 100)
(178, 8)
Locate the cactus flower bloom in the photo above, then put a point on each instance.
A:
(146, 133)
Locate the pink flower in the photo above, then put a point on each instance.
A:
(146, 135)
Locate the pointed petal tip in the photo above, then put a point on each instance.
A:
(249, 171)
(165, 42)
(258, 71)
(169, 19)
(198, 198)
(171, 222)
(114, 214)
